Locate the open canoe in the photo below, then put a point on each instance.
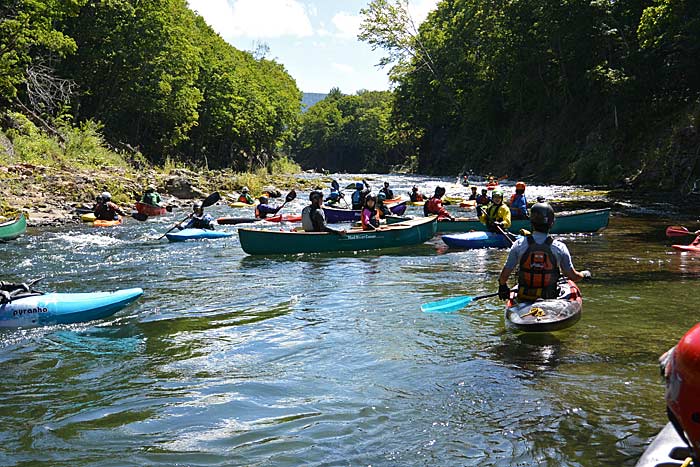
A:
(149, 209)
(64, 308)
(13, 229)
(196, 234)
(474, 240)
(334, 215)
(546, 315)
(275, 242)
(667, 450)
(568, 222)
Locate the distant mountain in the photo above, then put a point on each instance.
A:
(310, 98)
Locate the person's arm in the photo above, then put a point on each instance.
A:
(505, 215)
(320, 220)
(511, 262)
(117, 209)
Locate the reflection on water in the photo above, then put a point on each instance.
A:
(327, 360)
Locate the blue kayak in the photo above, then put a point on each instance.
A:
(196, 234)
(472, 240)
(64, 308)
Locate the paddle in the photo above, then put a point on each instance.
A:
(678, 231)
(139, 216)
(449, 305)
(208, 201)
(503, 232)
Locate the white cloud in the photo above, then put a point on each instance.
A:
(255, 18)
(343, 68)
(348, 25)
(419, 9)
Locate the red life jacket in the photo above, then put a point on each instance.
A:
(434, 206)
(539, 271)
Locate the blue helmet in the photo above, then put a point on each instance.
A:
(359, 186)
(381, 196)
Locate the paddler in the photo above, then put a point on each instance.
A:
(198, 220)
(362, 189)
(105, 209)
(151, 196)
(245, 196)
(518, 203)
(541, 260)
(382, 208)
(263, 209)
(387, 191)
(483, 199)
(474, 196)
(334, 196)
(496, 215)
(681, 369)
(416, 195)
(313, 219)
(434, 206)
(370, 215)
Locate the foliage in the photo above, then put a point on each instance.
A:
(351, 132)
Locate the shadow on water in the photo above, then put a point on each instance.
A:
(533, 352)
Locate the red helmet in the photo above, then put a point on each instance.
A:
(683, 386)
(520, 186)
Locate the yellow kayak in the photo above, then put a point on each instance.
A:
(415, 203)
(238, 204)
(89, 217)
(453, 199)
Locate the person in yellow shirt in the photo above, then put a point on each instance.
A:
(495, 214)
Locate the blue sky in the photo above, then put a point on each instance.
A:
(316, 40)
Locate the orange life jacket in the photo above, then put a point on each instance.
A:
(539, 271)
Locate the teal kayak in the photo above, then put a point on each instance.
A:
(196, 234)
(13, 229)
(64, 308)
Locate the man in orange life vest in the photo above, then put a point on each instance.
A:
(541, 260)
(434, 206)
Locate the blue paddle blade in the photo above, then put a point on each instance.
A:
(446, 306)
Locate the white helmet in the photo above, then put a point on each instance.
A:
(106, 195)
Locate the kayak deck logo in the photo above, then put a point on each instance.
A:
(29, 311)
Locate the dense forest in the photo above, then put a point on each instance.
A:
(588, 91)
(578, 90)
(152, 75)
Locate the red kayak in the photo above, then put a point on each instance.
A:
(149, 209)
(692, 248)
(282, 218)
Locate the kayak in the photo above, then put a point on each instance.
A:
(452, 200)
(236, 220)
(667, 449)
(474, 240)
(283, 218)
(64, 308)
(89, 217)
(101, 223)
(468, 204)
(334, 215)
(196, 234)
(238, 204)
(13, 229)
(415, 203)
(568, 222)
(149, 209)
(692, 248)
(546, 315)
(276, 242)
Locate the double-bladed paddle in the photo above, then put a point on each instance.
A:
(503, 232)
(208, 201)
(449, 305)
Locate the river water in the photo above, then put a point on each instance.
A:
(327, 360)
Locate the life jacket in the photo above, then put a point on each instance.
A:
(483, 199)
(306, 222)
(492, 213)
(373, 218)
(244, 199)
(203, 222)
(415, 196)
(356, 199)
(105, 212)
(539, 271)
(150, 198)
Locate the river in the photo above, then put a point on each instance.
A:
(327, 360)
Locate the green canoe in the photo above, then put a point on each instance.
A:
(13, 229)
(566, 222)
(274, 242)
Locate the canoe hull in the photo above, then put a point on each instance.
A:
(13, 229)
(574, 222)
(64, 308)
(335, 216)
(546, 315)
(474, 240)
(275, 242)
(196, 234)
(149, 210)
